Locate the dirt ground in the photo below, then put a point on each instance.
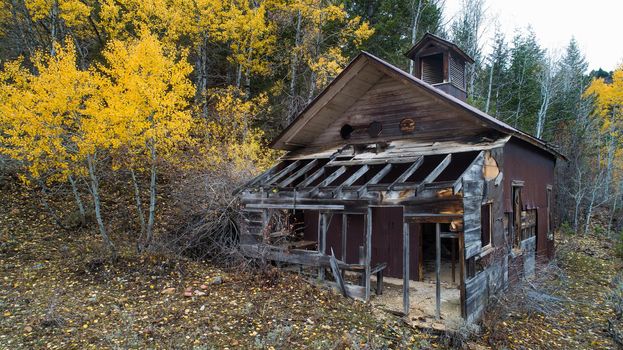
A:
(58, 290)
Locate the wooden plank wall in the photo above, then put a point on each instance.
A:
(390, 101)
(492, 272)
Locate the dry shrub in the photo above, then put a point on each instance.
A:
(532, 295)
(615, 326)
(206, 214)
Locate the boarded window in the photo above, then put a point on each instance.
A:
(528, 224)
(432, 69)
(485, 224)
(457, 73)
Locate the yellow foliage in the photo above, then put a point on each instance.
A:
(41, 114)
(229, 137)
(609, 101)
(144, 97)
(324, 53)
(73, 12)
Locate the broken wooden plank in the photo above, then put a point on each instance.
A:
(368, 253)
(438, 271)
(337, 275)
(432, 218)
(341, 170)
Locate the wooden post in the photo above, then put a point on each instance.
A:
(368, 242)
(462, 274)
(322, 240)
(406, 304)
(344, 235)
(453, 259)
(438, 271)
(265, 221)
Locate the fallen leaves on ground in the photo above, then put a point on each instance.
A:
(58, 290)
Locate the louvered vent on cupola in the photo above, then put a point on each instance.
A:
(441, 63)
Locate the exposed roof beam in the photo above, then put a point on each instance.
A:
(436, 172)
(375, 179)
(299, 173)
(283, 172)
(312, 178)
(354, 177)
(341, 170)
(410, 170)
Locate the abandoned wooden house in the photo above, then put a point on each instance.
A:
(391, 175)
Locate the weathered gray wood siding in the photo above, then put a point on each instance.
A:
(491, 262)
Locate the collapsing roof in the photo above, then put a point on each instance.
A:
(362, 75)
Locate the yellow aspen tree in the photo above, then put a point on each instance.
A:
(609, 108)
(322, 33)
(228, 134)
(146, 96)
(61, 16)
(43, 119)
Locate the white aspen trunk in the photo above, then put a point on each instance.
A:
(489, 88)
(139, 205)
(417, 10)
(152, 197)
(97, 206)
(201, 69)
(613, 210)
(292, 107)
(74, 190)
(589, 210)
(295, 56)
(578, 197)
(53, 24)
(239, 76)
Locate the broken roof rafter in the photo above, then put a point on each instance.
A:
(323, 183)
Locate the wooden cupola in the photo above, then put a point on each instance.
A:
(441, 64)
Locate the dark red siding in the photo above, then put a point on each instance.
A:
(535, 167)
(386, 238)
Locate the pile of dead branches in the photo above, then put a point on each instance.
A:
(206, 216)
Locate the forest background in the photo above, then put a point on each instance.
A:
(175, 101)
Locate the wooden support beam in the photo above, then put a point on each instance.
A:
(341, 170)
(344, 235)
(296, 206)
(368, 257)
(430, 218)
(438, 271)
(322, 240)
(374, 180)
(453, 260)
(436, 172)
(406, 277)
(374, 161)
(354, 177)
(299, 173)
(312, 178)
(282, 173)
(407, 173)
